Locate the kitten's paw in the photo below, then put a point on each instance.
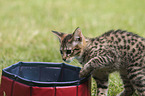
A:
(82, 74)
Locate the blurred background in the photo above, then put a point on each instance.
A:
(25, 27)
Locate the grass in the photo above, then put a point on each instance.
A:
(25, 27)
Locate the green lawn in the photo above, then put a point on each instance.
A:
(25, 27)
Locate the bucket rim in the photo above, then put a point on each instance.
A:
(41, 83)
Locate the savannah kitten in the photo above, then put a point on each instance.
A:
(115, 50)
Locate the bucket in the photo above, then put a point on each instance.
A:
(43, 79)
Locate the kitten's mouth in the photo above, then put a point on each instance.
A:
(67, 60)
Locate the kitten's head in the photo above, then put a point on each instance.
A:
(71, 45)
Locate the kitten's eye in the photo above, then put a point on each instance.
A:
(78, 39)
(68, 51)
(61, 52)
(76, 49)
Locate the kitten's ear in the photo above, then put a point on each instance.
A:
(59, 35)
(78, 36)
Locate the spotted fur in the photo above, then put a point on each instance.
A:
(115, 50)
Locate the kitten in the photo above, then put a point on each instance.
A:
(115, 50)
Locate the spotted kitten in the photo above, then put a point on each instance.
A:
(115, 50)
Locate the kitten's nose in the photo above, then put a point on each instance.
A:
(64, 59)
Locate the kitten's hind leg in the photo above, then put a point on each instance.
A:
(102, 83)
(137, 78)
(128, 88)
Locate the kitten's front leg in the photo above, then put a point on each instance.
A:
(95, 63)
(86, 70)
(101, 79)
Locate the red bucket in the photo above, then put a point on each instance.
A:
(43, 79)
